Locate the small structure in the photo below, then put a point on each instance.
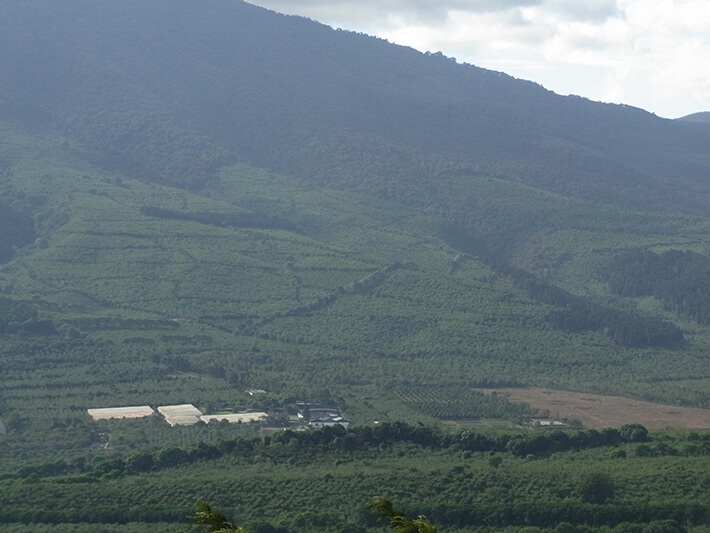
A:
(105, 413)
(234, 418)
(329, 421)
(318, 416)
(184, 414)
(547, 423)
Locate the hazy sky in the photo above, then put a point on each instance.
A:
(653, 54)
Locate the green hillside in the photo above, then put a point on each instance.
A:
(262, 281)
(170, 91)
(218, 205)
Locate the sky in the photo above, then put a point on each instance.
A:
(652, 54)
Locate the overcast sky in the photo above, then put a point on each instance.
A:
(653, 54)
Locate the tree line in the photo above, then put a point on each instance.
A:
(576, 315)
(338, 439)
(18, 317)
(680, 279)
(234, 220)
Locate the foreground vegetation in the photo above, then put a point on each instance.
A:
(321, 480)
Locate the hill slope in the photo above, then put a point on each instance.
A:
(170, 90)
(209, 198)
(200, 200)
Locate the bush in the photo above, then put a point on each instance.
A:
(597, 487)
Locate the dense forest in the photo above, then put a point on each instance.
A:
(217, 205)
(175, 90)
(678, 278)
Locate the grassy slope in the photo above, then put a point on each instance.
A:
(360, 281)
(363, 299)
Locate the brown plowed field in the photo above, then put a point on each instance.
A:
(596, 411)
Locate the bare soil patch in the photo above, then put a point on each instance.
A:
(596, 411)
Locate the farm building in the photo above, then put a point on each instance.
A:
(319, 416)
(329, 421)
(547, 423)
(104, 413)
(236, 417)
(180, 415)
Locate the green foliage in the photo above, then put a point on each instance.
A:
(663, 526)
(241, 220)
(597, 487)
(213, 521)
(577, 315)
(23, 319)
(634, 433)
(677, 278)
(445, 403)
(306, 481)
(16, 230)
(401, 255)
(383, 509)
(348, 108)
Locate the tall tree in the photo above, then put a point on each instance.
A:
(214, 522)
(383, 509)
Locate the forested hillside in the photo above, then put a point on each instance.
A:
(171, 90)
(214, 204)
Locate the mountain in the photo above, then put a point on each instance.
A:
(170, 91)
(215, 204)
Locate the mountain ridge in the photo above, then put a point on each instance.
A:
(211, 84)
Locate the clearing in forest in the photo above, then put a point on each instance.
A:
(596, 411)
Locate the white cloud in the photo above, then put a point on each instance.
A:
(374, 11)
(648, 53)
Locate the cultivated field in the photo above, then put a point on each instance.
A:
(595, 411)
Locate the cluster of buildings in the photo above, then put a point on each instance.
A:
(318, 416)
(175, 415)
(307, 415)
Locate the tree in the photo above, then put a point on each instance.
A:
(664, 526)
(384, 510)
(139, 462)
(597, 487)
(213, 521)
(170, 456)
(634, 433)
(495, 461)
